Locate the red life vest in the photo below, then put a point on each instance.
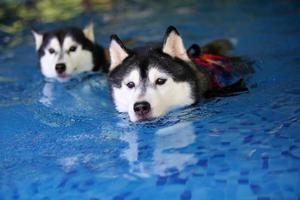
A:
(218, 67)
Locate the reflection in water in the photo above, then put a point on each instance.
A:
(173, 138)
(84, 96)
(78, 89)
(47, 94)
(243, 142)
(166, 154)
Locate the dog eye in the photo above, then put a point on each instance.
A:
(130, 85)
(51, 51)
(160, 81)
(72, 48)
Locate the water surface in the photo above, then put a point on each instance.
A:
(66, 141)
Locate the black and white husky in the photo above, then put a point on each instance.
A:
(146, 82)
(69, 51)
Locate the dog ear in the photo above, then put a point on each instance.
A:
(38, 37)
(89, 32)
(173, 44)
(117, 51)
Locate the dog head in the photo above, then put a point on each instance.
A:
(65, 52)
(147, 82)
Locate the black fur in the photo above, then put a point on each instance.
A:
(151, 54)
(99, 59)
(181, 71)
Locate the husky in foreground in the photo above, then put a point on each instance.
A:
(146, 82)
(65, 52)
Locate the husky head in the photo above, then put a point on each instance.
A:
(148, 81)
(68, 51)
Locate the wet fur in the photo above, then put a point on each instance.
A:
(96, 62)
(185, 84)
(188, 83)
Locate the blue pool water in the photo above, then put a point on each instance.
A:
(66, 141)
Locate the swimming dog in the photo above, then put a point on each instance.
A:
(148, 81)
(65, 52)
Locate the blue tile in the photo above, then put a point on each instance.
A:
(89, 182)
(256, 189)
(263, 198)
(202, 163)
(178, 180)
(15, 195)
(78, 146)
(186, 195)
(63, 182)
(161, 180)
(221, 181)
(34, 188)
(265, 162)
(248, 139)
(243, 181)
(122, 196)
(225, 143)
(219, 155)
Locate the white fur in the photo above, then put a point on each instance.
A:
(161, 98)
(76, 62)
(79, 61)
(174, 46)
(123, 96)
(89, 32)
(170, 95)
(38, 37)
(48, 61)
(117, 54)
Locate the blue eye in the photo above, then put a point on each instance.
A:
(130, 85)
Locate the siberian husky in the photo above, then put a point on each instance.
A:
(69, 51)
(146, 82)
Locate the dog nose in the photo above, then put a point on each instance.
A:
(141, 108)
(60, 68)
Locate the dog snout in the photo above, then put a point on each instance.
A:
(141, 108)
(60, 68)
